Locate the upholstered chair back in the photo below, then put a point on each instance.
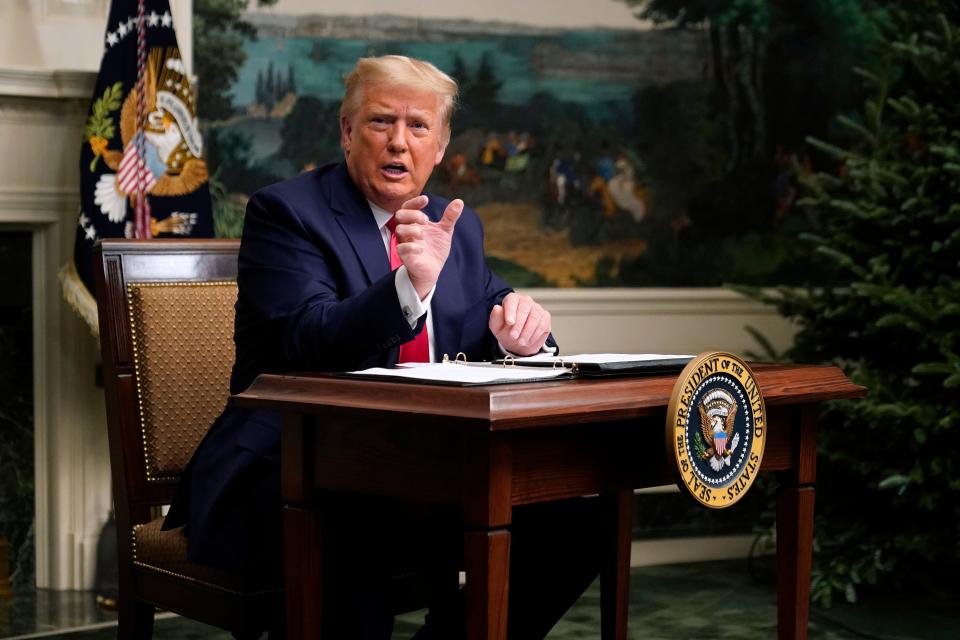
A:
(182, 338)
(166, 310)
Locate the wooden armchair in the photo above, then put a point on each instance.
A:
(166, 332)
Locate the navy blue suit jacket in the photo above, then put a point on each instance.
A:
(316, 293)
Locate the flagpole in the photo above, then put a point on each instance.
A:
(142, 214)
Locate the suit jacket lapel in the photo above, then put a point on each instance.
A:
(358, 224)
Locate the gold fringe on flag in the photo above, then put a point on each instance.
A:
(76, 294)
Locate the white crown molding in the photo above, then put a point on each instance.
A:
(32, 111)
(45, 83)
(37, 206)
(647, 301)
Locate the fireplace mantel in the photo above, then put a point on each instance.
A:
(41, 123)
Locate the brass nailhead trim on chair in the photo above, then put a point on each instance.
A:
(181, 576)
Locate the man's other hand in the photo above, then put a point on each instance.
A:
(423, 246)
(520, 324)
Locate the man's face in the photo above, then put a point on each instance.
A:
(392, 143)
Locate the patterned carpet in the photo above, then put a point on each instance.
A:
(716, 600)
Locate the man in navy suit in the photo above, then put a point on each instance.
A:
(349, 267)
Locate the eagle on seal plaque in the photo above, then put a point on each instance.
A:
(718, 410)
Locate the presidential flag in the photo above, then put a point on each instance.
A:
(141, 162)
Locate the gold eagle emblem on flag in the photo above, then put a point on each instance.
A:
(172, 164)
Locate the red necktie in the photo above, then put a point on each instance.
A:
(418, 349)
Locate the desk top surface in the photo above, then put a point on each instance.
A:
(526, 405)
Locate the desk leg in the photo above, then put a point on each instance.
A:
(615, 572)
(487, 514)
(794, 557)
(303, 571)
(487, 560)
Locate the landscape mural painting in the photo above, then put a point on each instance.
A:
(662, 150)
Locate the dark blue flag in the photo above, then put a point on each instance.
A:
(153, 148)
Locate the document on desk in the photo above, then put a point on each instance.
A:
(461, 374)
(610, 363)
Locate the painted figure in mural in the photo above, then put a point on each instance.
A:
(351, 266)
(517, 156)
(563, 176)
(459, 172)
(605, 164)
(493, 153)
(624, 191)
(599, 187)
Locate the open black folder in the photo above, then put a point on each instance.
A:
(607, 364)
(540, 368)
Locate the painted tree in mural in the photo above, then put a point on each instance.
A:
(218, 34)
(778, 71)
(321, 119)
(459, 71)
(737, 33)
(478, 103)
(751, 44)
(273, 86)
(482, 91)
(291, 85)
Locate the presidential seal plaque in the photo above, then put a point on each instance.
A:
(716, 429)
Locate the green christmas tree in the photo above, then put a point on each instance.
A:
(889, 225)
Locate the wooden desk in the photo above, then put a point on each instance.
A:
(491, 448)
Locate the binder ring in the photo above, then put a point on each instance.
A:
(509, 361)
(558, 362)
(461, 357)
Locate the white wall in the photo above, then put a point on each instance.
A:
(560, 14)
(68, 34)
(654, 320)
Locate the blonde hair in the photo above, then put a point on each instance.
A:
(400, 71)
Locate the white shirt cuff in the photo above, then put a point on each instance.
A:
(410, 303)
(544, 349)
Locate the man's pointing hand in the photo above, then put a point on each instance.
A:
(423, 246)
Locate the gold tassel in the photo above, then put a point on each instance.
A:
(76, 294)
